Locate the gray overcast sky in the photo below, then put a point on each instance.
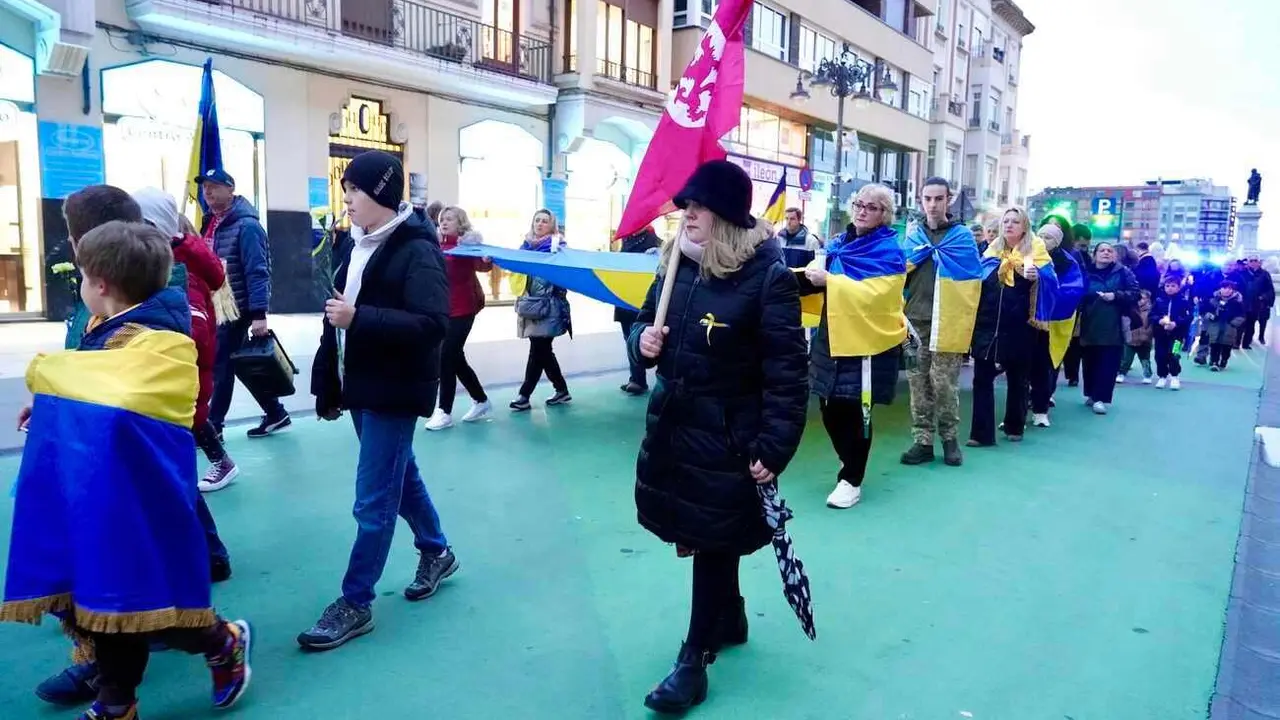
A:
(1121, 91)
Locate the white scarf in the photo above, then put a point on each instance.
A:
(365, 245)
(691, 249)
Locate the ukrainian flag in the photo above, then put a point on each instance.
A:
(776, 211)
(105, 530)
(1011, 262)
(206, 144)
(620, 279)
(957, 285)
(863, 298)
(1062, 320)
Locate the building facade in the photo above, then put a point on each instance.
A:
(1175, 213)
(974, 137)
(781, 136)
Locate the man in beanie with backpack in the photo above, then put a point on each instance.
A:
(379, 359)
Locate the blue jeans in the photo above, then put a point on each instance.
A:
(387, 483)
(231, 337)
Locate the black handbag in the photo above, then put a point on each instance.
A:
(264, 367)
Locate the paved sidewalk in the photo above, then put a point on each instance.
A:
(493, 350)
(1082, 574)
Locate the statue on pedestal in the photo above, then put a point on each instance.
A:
(1255, 187)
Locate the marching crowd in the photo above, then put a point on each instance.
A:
(735, 371)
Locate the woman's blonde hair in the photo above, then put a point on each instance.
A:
(1001, 243)
(464, 222)
(881, 194)
(555, 224)
(727, 247)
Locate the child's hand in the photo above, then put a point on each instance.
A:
(24, 418)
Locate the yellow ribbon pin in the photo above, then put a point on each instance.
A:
(708, 321)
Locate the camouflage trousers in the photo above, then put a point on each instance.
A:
(935, 396)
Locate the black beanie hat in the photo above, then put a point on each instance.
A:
(721, 187)
(379, 175)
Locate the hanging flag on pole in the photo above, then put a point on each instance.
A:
(206, 145)
(704, 106)
(776, 210)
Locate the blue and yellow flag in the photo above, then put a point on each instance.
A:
(206, 144)
(776, 211)
(620, 279)
(1062, 321)
(105, 530)
(863, 299)
(1011, 262)
(957, 285)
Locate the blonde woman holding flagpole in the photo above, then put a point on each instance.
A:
(727, 410)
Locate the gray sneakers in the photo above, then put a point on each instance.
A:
(340, 622)
(432, 570)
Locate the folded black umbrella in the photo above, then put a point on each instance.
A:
(795, 584)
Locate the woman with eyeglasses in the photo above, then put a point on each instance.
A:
(836, 376)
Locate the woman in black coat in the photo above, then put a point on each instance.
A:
(1003, 337)
(379, 359)
(1111, 291)
(726, 413)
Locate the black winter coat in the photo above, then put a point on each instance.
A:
(731, 389)
(391, 359)
(1099, 319)
(1178, 308)
(1002, 331)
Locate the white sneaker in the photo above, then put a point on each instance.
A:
(1162, 383)
(1175, 384)
(844, 496)
(1099, 408)
(1119, 379)
(1146, 380)
(1040, 419)
(440, 420)
(479, 411)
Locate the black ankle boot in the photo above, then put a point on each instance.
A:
(732, 627)
(686, 686)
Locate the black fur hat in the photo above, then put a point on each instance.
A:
(721, 187)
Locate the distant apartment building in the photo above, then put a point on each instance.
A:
(1192, 213)
(974, 138)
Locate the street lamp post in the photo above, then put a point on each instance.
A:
(845, 76)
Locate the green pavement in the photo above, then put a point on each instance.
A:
(1082, 574)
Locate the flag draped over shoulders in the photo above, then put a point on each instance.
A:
(863, 299)
(957, 285)
(1008, 263)
(105, 531)
(1062, 320)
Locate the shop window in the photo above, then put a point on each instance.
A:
(625, 45)
(769, 31)
(21, 259)
(149, 113)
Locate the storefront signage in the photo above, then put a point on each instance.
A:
(136, 129)
(553, 196)
(362, 123)
(318, 192)
(70, 158)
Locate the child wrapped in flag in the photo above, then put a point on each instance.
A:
(1052, 343)
(105, 534)
(1019, 289)
(856, 351)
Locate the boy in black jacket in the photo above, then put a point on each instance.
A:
(1172, 315)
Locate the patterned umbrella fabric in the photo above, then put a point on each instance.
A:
(795, 584)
